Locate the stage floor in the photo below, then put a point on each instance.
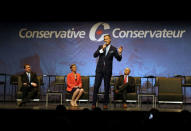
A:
(168, 115)
(111, 107)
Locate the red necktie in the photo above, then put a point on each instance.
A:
(125, 80)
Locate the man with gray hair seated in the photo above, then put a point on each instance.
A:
(125, 84)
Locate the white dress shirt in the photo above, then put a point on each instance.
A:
(29, 76)
(107, 49)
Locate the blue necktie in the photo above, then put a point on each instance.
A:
(29, 76)
(106, 51)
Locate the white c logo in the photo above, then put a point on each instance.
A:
(94, 28)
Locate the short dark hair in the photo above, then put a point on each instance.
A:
(72, 65)
(26, 65)
(107, 35)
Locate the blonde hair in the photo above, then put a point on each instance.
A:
(128, 69)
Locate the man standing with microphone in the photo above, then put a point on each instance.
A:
(106, 52)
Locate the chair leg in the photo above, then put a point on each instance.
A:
(114, 104)
(61, 99)
(15, 92)
(182, 106)
(158, 105)
(46, 100)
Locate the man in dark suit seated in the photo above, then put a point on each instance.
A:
(29, 87)
(125, 84)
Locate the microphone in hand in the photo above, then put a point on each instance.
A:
(104, 46)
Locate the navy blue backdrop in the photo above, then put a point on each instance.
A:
(150, 48)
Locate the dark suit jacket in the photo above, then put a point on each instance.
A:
(108, 59)
(120, 83)
(24, 78)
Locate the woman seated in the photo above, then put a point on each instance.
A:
(74, 85)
